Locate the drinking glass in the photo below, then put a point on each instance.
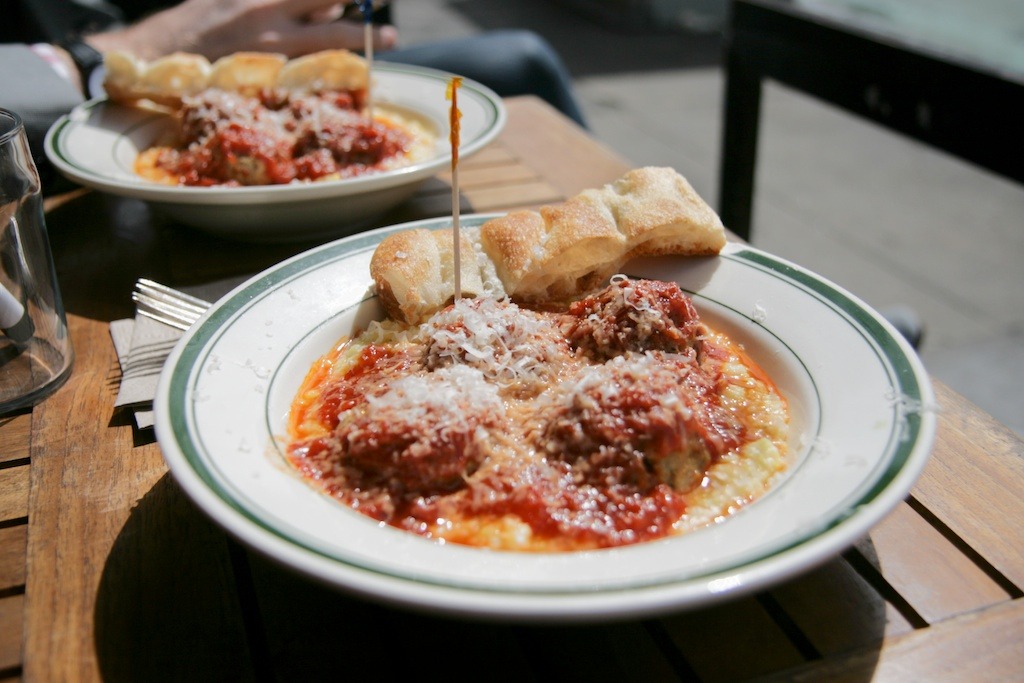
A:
(35, 350)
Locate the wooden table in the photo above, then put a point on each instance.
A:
(108, 572)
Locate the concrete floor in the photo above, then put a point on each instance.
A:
(892, 221)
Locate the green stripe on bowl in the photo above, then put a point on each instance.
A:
(192, 352)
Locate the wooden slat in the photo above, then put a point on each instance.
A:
(978, 496)
(127, 580)
(982, 646)
(535, 128)
(495, 153)
(931, 574)
(837, 610)
(477, 199)
(591, 653)
(300, 616)
(432, 187)
(508, 176)
(505, 197)
(14, 492)
(11, 610)
(96, 281)
(987, 645)
(637, 652)
(519, 184)
(12, 556)
(16, 432)
(68, 541)
(196, 258)
(734, 641)
(498, 174)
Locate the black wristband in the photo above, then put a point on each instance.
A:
(86, 57)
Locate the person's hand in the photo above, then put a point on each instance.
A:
(214, 28)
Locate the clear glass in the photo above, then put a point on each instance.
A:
(35, 350)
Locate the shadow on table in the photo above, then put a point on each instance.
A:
(178, 600)
(98, 256)
(166, 607)
(102, 244)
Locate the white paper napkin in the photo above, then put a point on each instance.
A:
(142, 346)
(141, 358)
(151, 342)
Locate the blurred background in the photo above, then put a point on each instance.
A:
(893, 221)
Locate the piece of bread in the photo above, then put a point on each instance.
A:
(556, 252)
(415, 275)
(164, 81)
(328, 70)
(121, 76)
(576, 246)
(246, 72)
(168, 79)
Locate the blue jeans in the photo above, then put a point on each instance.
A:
(510, 62)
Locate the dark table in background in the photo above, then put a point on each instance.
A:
(888, 61)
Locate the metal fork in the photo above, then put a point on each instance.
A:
(167, 305)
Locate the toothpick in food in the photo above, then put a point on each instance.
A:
(366, 6)
(452, 94)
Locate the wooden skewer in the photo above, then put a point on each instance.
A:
(368, 39)
(367, 8)
(452, 94)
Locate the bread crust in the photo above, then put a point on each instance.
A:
(509, 241)
(414, 272)
(246, 72)
(661, 213)
(556, 252)
(168, 79)
(327, 70)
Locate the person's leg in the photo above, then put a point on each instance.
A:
(512, 62)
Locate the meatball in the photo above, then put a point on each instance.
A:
(421, 437)
(634, 315)
(510, 345)
(640, 420)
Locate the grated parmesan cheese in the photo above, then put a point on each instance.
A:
(506, 343)
(491, 425)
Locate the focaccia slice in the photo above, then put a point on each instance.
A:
(556, 252)
(168, 79)
(414, 272)
(164, 81)
(575, 246)
(329, 70)
(246, 72)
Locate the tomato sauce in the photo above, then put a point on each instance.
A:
(603, 459)
(229, 139)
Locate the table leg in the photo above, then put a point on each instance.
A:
(739, 144)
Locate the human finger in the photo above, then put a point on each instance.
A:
(303, 39)
(302, 9)
(326, 14)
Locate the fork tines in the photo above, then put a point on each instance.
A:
(167, 305)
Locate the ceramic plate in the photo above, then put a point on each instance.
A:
(861, 415)
(97, 143)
